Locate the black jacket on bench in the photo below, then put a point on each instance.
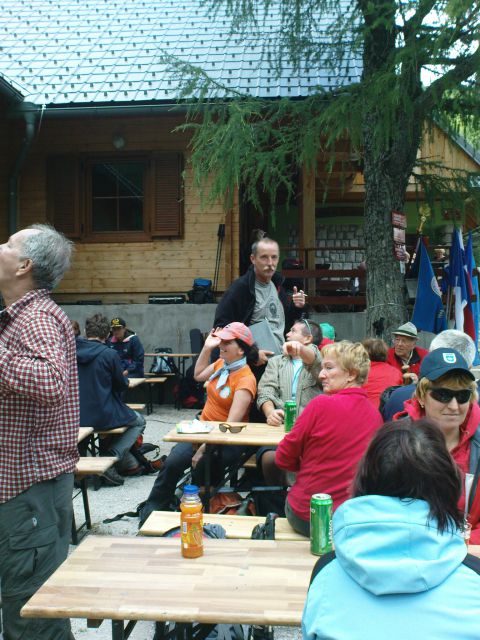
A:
(101, 383)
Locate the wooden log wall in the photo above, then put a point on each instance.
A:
(127, 272)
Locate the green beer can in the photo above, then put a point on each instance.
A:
(290, 409)
(321, 539)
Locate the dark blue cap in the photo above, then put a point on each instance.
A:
(441, 361)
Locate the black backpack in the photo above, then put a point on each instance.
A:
(202, 292)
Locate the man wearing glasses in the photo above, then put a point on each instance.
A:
(404, 355)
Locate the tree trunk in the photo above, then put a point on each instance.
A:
(386, 303)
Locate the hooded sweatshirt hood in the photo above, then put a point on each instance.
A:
(388, 546)
(88, 350)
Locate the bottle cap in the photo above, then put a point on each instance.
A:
(190, 488)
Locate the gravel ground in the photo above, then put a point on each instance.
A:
(109, 501)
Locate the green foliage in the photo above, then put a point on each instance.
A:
(262, 144)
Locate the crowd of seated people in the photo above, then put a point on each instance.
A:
(337, 388)
(375, 474)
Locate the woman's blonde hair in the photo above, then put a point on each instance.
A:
(351, 356)
(453, 380)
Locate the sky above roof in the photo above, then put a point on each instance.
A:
(57, 52)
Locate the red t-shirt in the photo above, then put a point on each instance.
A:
(325, 445)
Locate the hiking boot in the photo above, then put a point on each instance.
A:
(111, 478)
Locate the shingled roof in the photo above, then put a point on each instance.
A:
(87, 52)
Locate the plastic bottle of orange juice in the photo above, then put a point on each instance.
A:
(191, 521)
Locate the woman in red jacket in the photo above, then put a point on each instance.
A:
(447, 394)
(331, 435)
(381, 375)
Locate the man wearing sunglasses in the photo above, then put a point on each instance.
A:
(447, 395)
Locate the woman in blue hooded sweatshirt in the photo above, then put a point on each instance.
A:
(400, 567)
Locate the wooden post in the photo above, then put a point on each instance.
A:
(307, 236)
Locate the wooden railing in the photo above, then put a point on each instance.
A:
(331, 287)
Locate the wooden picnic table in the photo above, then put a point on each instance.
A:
(262, 582)
(254, 434)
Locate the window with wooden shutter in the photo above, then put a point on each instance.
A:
(63, 197)
(167, 213)
(123, 198)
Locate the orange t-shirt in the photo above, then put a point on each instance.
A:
(220, 400)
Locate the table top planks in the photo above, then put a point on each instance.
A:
(235, 581)
(84, 432)
(256, 434)
(135, 382)
(94, 465)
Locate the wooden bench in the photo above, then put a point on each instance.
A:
(235, 526)
(88, 466)
(83, 433)
(136, 406)
(251, 463)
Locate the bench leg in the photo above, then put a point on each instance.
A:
(86, 506)
(74, 530)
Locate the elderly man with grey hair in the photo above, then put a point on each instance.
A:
(39, 420)
(450, 338)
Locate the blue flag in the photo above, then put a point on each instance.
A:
(475, 298)
(428, 313)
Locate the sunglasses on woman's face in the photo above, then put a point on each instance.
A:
(224, 427)
(440, 394)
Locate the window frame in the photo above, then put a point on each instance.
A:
(143, 235)
(69, 196)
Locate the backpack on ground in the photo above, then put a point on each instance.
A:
(232, 503)
(189, 393)
(202, 292)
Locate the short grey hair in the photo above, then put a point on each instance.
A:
(458, 340)
(265, 240)
(51, 254)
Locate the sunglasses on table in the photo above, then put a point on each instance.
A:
(443, 395)
(224, 427)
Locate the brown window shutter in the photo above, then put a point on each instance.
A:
(63, 198)
(168, 195)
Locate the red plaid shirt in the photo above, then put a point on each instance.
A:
(39, 406)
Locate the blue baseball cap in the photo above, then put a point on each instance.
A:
(441, 361)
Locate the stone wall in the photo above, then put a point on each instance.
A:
(340, 245)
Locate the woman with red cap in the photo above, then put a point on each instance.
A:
(231, 389)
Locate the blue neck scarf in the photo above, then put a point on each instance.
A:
(224, 372)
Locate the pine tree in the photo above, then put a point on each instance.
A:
(251, 142)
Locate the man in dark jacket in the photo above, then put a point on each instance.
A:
(259, 294)
(101, 382)
(128, 346)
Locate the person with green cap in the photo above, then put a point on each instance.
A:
(328, 333)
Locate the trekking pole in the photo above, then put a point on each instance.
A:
(220, 236)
